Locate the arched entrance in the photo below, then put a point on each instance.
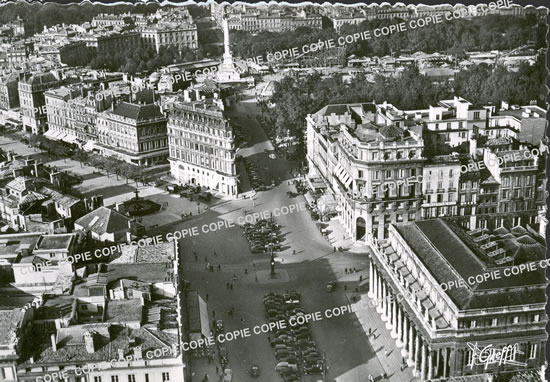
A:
(360, 229)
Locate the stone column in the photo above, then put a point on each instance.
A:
(405, 336)
(417, 354)
(410, 361)
(423, 363)
(384, 302)
(437, 359)
(445, 363)
(399, 326)
(371, 280)
(430, 364)
(394, 315)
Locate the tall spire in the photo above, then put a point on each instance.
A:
(226, 49)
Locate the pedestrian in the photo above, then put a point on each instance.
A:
(196, 257)
(385, 376)
(227, 285)
(213, 313)
(361, 278)
(234, 277)
(217, 369)
(231, 286)
(370, 331)
(215, 254)
(219, 267)
(206, 377)
(293, 251)
(245, 271)
(371, 379)
(334, 249)
(207, 297)
(346, 270)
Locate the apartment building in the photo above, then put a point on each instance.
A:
(9, 95)
(439, 327)
(357, 148)
(202, 149)
(31, 98)
(365, 162)
(175, 35)
(134, 133)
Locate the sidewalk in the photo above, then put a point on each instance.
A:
(381, 340)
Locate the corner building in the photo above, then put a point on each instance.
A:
(202, 150)
(437, 325)
(365, 159)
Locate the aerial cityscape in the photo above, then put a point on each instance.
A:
(268, 192)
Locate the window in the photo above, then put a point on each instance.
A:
(476, 115)
(516, 320)
(8, 374)
(375, 175)
(451, 197)
(114, 378)
(448, 125)
(388, 174)
(146, 377)
(533, 351)
(440, 185)
(360, 174)
(451, 173)
(472, 324)
(536, 318)
(505, 194)
(131, 378)
(439, 198)
(165, 377)
(494, 322)
(437, 126)
(469, 357)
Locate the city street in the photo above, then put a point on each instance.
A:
(306, 263)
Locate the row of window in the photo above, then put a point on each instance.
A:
(132, 378)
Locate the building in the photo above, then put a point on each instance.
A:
(9, 95)
(202, 148)
(365, 159)
(134, 133)
(170, 35)
(440, 186)
(31, 97)
(439, 326)
(121, 322)
(348, 19)
(57, 111)
(524, 123)
(108, 20)
(106, 225)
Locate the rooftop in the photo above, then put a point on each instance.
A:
(11, 244)
(447, 251)
(160, 253)
(104, 220)
(10, 320)
(51, 242)
(138, 112)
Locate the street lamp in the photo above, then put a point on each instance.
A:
(272, 263)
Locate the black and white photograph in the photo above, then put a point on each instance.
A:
(273, 192)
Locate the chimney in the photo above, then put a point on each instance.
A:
(137, 353)
(120, 354)
(89, 342)
(54, 342)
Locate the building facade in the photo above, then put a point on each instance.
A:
(134, 133)
(441, 329)
(31, 97)
(202, 149)
(170, 35)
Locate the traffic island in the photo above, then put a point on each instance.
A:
(265, 276)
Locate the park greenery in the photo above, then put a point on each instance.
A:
(296, 97)
(479, 33)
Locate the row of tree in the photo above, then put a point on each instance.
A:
(479, 33)
(110, 165)
(294, 98)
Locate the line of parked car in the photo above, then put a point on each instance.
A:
(263, 236)
(294, 347)
(256, 180)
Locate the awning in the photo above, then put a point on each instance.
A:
(89, 146)
(49, 133)
(71, 139)
(343, 175)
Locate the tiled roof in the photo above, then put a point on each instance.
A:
(20, 183)
(9, 322)
(102, 220)
(64, 200)
(41, 78)
(138, 112)
(160, 253)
